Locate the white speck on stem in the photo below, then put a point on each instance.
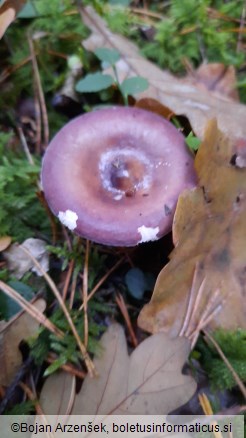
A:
(148, 233)
(68, 218)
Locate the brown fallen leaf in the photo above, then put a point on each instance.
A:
(57, 395)
(8, 11)
(20, 327)
(215, 77)
(197, 104)
(155, 107)
(148, 382)
(204, 284)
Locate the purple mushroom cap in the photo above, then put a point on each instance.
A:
(114, 175)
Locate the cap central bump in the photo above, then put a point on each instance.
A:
(126, 174)
(125, 170)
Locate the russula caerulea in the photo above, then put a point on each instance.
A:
(114, 175)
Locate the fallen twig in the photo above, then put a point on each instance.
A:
(122, 305)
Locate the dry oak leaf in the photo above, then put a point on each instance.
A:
(198, 104)
(204, 284)
(20, 327)
(215, 77)
(148, 382)
(57, 395)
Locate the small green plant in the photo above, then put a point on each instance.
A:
(98, 81)
(66, 349)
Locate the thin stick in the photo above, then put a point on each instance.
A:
(38, 408)
(85, 291)
(26, 150)
(146, 12)
(24, 145)
(207, 317)
(40, 91)
(213, 13)
(31, 397)
(207, 409)
(208, 311)
(226, 361)
(31, 309)
(72, 397)
(203, 323)
(67, 280)
(102, 280)
(190, 302)
(122, 305)
(195, 307)
(57, 54)
(205, 404)
(129, 258)
(38, 139)
(67, 238)
(240, 35)
(9, 70)
(89, 364)
(72, 291)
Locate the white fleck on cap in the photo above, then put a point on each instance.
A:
(68, 218)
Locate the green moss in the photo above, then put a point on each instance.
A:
(21, 214)
(190, 31)
(233, 345)
(66, 349)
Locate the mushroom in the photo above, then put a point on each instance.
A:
(114, 175)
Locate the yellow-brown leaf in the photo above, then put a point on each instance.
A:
(204, 284)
